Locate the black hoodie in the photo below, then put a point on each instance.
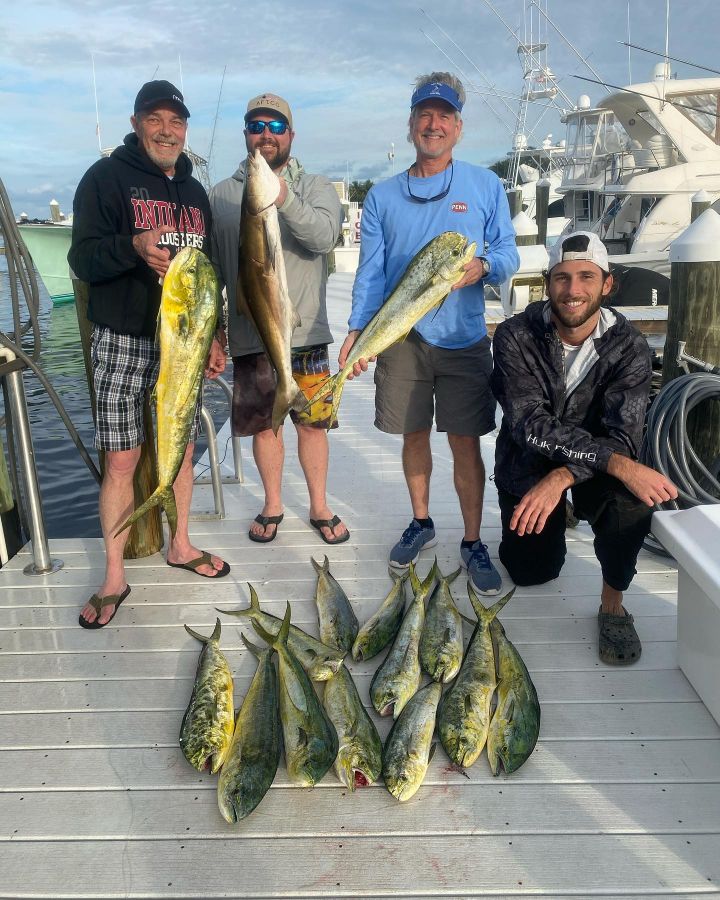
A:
(121, 196)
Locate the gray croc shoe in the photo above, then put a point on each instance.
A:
(619, 642)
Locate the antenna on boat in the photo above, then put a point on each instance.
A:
(685, 62)
(97, 114)
(666, 64)
(628, 44)
(217, 113)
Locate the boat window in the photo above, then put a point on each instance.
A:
(702, 109)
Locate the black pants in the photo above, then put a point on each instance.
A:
(620, 523)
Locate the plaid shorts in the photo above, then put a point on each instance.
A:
(124, 368)
(254, 390)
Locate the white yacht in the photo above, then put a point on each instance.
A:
(633, 164)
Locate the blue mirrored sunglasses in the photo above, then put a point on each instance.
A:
(257, 126)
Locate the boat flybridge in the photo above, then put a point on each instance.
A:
(633, 165)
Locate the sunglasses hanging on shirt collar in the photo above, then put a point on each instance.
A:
(437, 196)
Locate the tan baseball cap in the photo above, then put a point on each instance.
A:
(269, 103)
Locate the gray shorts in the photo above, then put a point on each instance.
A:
(124, 367)
(416, 381)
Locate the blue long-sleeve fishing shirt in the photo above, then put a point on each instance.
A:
(394, 227)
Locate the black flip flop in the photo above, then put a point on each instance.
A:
(204, 559)
(98, 603)
(329, 523)
(265, 521)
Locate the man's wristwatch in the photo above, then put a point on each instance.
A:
(486, 265)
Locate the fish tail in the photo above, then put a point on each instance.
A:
(246, 611)
(291, 398)
(332, 385)
(414, 580)
(215, 636)
(450, 578)
(160, 496)
(256, 651)
(487, 613)
(320, 569)
(398, 576)
(282, 637)
(430, 577)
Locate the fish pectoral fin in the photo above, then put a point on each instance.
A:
(440, 306)
(302, 737)
(241, 304)
(296, 320)
(433, 748)
(296, 695)
(183, 324)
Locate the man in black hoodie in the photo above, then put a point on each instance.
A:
(572, 378)
(133, 211)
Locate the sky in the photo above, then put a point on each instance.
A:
(347, 70)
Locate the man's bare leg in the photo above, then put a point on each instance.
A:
(314, 454)
(469, 479)
(417, 467)
(116, 504)
(269, 455)
(611, 600)
(180, 549)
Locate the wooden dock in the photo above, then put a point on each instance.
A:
(620, 799)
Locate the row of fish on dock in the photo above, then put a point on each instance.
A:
(281, 707)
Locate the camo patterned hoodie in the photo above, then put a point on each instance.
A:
(548, 422)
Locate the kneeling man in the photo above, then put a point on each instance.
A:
(573, 378)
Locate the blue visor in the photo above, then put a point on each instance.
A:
(436, 90)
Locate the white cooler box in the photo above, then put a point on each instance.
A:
(693, 538)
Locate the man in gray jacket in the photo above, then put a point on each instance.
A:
(310, 219)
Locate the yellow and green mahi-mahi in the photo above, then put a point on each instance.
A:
(399, 676)
(207, 726)
(309, 737)
(441, 644)
(409, 747)
(427, 281)
(319, 661)
(336, 617)
(254, 755)
(383, 625)
(515, 725)
(464, 714)
(186, 326)
(359, 759)
(262, 290)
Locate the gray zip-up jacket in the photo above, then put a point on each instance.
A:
(549, 422)
(310, 221)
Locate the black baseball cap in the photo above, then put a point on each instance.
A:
(154, 92)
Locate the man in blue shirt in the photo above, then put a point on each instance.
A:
(441, 370)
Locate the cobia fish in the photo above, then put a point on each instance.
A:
(427, 280)
(399, 676)
(515, 725)
(262, 291)
(464, 713)
(207, 726)
(319, 661)
(441, 644)
(383, 625)
(337, 620)
(359, 759)
(186, 325)
(254, 755)
(409, 747)
(309, 737)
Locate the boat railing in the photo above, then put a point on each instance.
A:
(237, 476)
(11, 374)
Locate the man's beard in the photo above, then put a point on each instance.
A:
(574, 319)
(274, 156)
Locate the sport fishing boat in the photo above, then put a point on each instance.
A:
(48, 242)
(634, 163)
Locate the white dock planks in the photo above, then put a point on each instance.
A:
(620, 799)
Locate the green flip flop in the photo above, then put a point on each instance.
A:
(99, 603)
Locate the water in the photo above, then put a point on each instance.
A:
(68, 490)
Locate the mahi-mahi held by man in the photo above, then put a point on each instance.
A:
(426, 283)
(186, 325)
(262, 291)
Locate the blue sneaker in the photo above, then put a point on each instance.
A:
(482, 573)
(415, 538)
